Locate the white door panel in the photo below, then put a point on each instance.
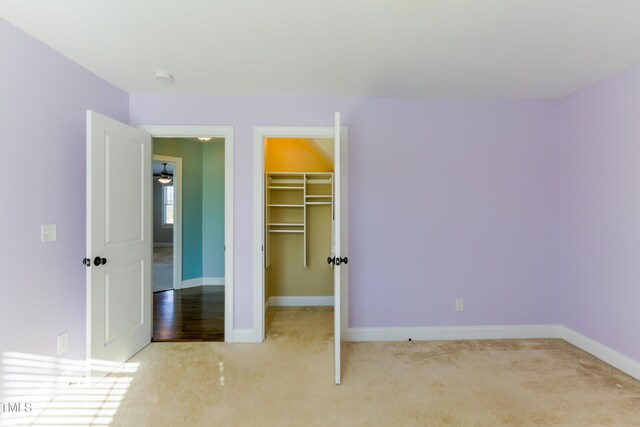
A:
(118, 230)
(123, 296)
(124, 164)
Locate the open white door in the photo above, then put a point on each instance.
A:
(338, 255)
(118, 241)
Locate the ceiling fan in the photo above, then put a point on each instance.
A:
(165, 176)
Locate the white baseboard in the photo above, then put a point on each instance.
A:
(213, 281)
(596, 349)
(453, 333)
(203, 281)
(163, 245)
(300, 301)
(191, 283)
(243, 336)
(602, 352)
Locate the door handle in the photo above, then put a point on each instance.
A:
(99, 261)
(344, 260)
(86, 261)
(331, 260)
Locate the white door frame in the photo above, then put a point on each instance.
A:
(177, 225)
(259, 134)
(225, 132)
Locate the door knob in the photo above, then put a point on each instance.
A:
(86, 261)
(331, 260)
(99, 261)
(344, 260)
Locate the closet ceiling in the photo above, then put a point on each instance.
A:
(433, 48)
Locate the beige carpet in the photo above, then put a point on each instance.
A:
(288, 381)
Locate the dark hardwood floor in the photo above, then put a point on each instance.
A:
(193, 314)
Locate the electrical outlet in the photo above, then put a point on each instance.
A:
(63, 342)
(459, 304)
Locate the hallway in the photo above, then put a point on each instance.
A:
(162, 268)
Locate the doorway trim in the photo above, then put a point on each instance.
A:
(259, 135)
(226, 132)
(177, 224)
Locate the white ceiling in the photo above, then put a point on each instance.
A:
(433, 48)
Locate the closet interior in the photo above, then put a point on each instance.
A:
(298, 213)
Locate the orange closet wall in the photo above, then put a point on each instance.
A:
(293, 155)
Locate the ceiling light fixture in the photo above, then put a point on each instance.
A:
(205, 139)
(165, 177)
(163, 76)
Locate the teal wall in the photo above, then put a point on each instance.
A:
(202, 204)
(213, 209)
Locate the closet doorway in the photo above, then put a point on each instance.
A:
(300, 220)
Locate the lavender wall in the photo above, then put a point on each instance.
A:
(447, 199)
(600, 200)
(527, 209)
(43, 98)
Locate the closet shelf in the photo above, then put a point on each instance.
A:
(284, 188)
(287, 181)
(285, 194)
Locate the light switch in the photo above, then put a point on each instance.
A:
(49, 232)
